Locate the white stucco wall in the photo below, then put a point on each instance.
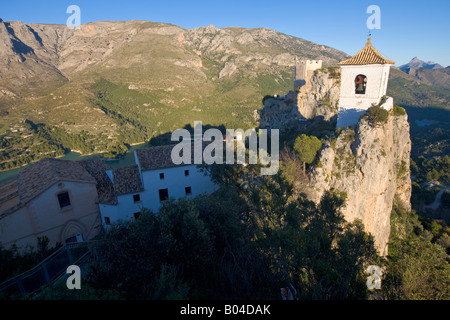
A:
(352, 105)
(174, 180)
(123, 211)
(43, 216)
(377, 81)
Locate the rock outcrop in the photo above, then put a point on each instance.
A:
(317, 99)
(371, 166)
(319, 96)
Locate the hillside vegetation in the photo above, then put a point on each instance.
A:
(109, 85)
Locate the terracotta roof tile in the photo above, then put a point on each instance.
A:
(160, 157)
(105, 189)
(155, 157)
(368, 55)
(127, 180)
(41, 175)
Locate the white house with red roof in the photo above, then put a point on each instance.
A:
(152, 181)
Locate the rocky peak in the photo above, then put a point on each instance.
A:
(371, 165)
(317, 97)
(417, 63)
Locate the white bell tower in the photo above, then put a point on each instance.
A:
(364, 80)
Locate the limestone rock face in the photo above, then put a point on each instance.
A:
(371, 165)
(319, 96)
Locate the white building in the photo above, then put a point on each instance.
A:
(69, 201)
(53, 198)
(147, 184)
(364, 80)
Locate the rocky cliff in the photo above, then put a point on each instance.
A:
(371, 166)
(320, 95)
(316, 99)
(369, 163)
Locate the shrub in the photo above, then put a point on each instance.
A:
(399, 111)
(376, 115)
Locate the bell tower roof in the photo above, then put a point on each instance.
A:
(368, 55)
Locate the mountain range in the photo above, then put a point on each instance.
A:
(125, 82)
(417, 63)
(430, 73)
(47, 71)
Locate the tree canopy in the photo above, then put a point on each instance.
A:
(306, 148)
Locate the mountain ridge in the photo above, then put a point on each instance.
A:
(417, 63)
(120, 83)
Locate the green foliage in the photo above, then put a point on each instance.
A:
(402, 170)
(413, 93)
(199, 249)
(418, 266)
(399, 111)
(307, 147)
(435, 169)
(311, 246)
(334, 73)
(58, 291)
(39, 141)
(16, 260)
(376, 115)
(421, 196)
(236, 243)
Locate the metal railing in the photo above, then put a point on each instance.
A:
(47, 271)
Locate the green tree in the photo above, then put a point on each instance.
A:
(376, 115)
(416, 267)
(149, 258)
(306, 148)
(418, 271)
(313, 249)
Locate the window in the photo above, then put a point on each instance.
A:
(71, 239)
(360, 84)
(161, 176)
(136, 197)
(76, 238)
(137, 215)
(64, 200)
(163, 194)
(186, 173)
(107, 220)
(188, 191)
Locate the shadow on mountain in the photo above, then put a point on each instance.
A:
(433, 115)
(166, 138)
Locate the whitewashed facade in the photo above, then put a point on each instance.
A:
(160, 180)
(364, 81)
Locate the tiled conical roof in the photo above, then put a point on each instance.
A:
(368, 55)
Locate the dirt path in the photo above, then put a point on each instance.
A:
(437, 201)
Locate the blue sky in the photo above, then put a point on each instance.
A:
(408, 27)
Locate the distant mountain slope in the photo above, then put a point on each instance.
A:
(408, 90)
(417, 63)
(434, 77)
(109, 84)
(49, 72)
